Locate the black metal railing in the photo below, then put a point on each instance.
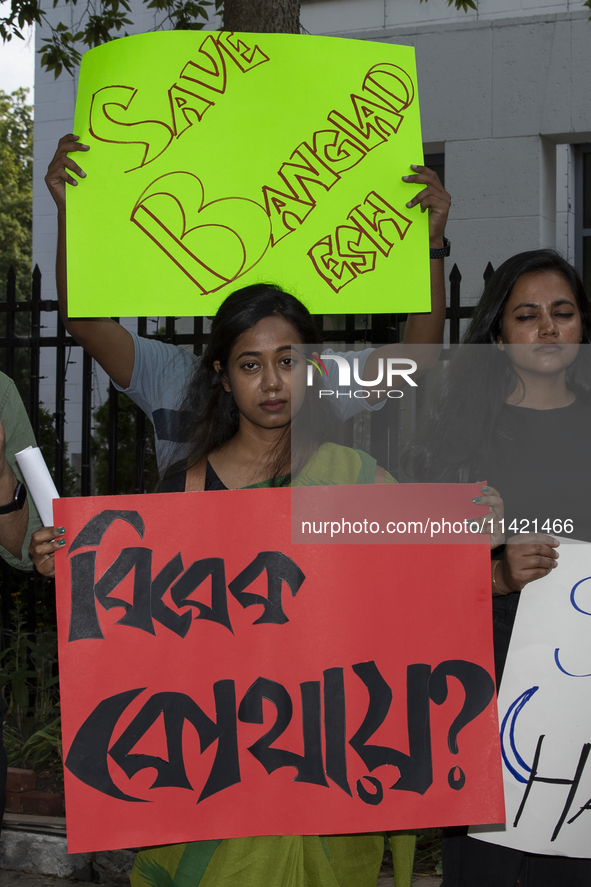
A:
(347, 329)
(21, 334)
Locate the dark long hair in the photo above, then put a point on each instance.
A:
(460, 425)
(212, 417)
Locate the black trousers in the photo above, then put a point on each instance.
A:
(468, 862)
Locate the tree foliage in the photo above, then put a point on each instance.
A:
(16, 188)
(98, 21)
(16, 213)
(464, 5)
(46, 442)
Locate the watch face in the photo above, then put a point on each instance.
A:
(20, 496)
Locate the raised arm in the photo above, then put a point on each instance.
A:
(108, 342)
(424, 329)
(427, 328)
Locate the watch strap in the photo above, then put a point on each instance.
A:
(18, 500)
(442, 253)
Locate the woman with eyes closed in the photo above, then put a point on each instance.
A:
(518, 413)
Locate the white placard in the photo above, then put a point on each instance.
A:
(38, 481)
(545, 715)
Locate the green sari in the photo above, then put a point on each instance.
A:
(287, 860)
(333, 465)
(276, 861)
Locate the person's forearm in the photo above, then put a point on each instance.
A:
(427, 328)
(423, 335)
(13, 526)
(499, 584)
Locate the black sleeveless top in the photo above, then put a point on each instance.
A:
(174, 479)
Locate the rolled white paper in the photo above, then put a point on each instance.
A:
(38, 481)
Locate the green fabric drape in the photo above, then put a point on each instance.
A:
(331, 465)
(276, 861)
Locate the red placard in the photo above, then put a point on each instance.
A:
(219, 681)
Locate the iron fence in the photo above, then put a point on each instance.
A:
(22, 343)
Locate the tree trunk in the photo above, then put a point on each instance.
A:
(262, 16)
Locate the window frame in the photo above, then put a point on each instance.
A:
(581, 233)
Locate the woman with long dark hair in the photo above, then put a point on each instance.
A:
(479, 382)
(251, 420)
(514, 407)
(238, 413)
(249, 386)
(248, 394)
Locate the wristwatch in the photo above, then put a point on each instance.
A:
(18, 500)
(442, 253)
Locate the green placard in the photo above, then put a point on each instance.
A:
(218, 160)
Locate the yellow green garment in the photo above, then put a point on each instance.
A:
(332, 464)
(276, 861)
(286, 860)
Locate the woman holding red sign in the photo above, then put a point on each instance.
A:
(249, 416)
(250, 424)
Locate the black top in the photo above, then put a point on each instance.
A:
(541, 468)
(540, 465)
(174, 479)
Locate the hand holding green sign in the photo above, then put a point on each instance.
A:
(225, 159)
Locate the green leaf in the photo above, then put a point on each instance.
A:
(463, 5)
(99, 23)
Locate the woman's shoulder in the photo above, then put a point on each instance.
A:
(335, 464)
(577, 411)
(174, 478)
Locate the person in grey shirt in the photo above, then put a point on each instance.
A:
(155, 375)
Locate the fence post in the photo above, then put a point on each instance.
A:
(385, 422)
(140, 426)
(113, 437)
(113, 440)
(456, 311)
(35, 350)
(60, 404)
(85, 480)
(488, 273)
(169, 329)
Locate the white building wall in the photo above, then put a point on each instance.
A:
(500, 89)
(320, 16)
